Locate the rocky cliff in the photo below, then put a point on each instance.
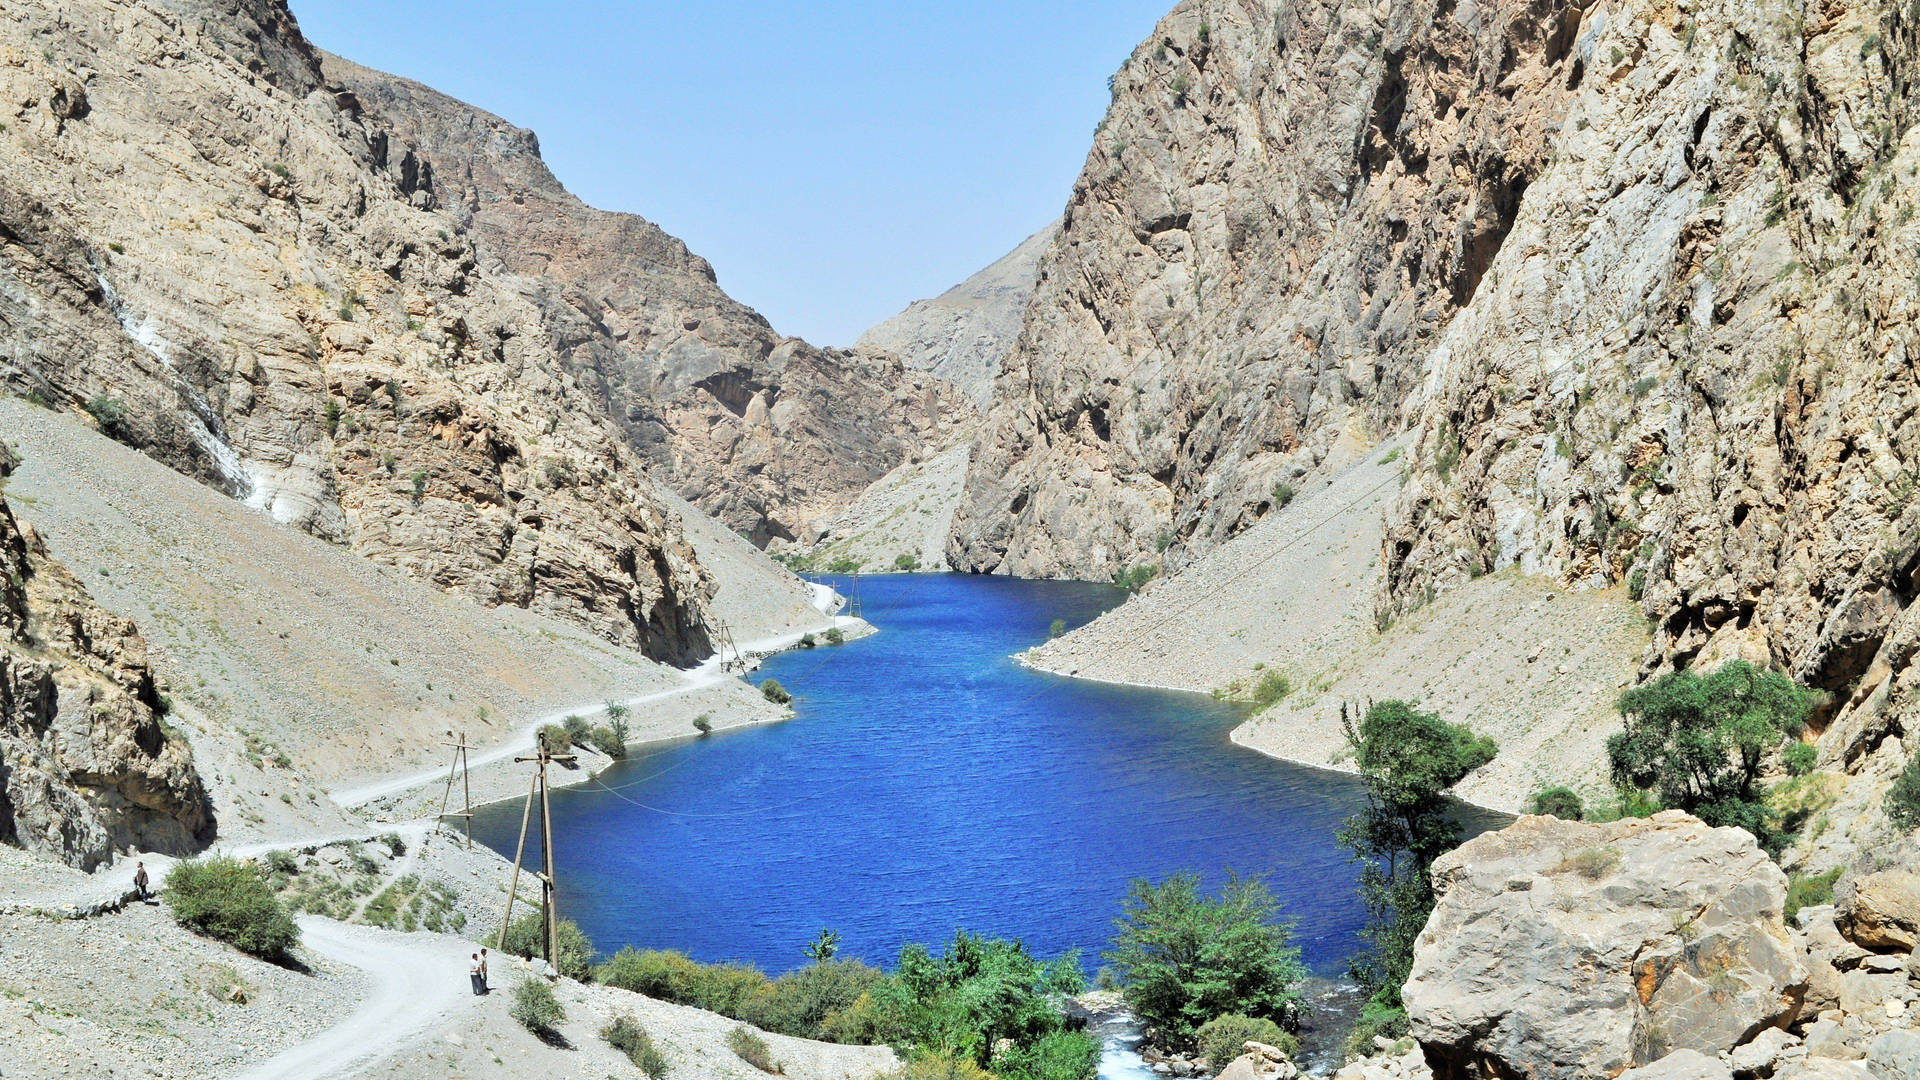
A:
(87, 765)
(1283, 208)
(765, 432)
(964, 334)
(224, 259)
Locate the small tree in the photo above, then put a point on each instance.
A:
(1903, 798)
(703, 724)
(822, 948)
(577, 730)
(774, 692)
(1561, 802)
(1699, 742)
(526, 936)
(1407, 761)
(555, 739)
(1185, 959)
(230, 900)
(1057, 629)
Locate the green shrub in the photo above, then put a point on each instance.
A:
(230, 900)
(577, 730)
(1561, 802)
(807, 641)
(1221, 1038)
(625, 1034)
(703, 724)
(607, 742)
(939, 1066)
(1282, 494)
(1903, 798)
(1135, 579)
(282, 862)
(395, 843)
(555, 739)
(111, 414)
(906, 561)
(537, 1010)
(1057, 1055)
(1591, 863)
(799, 1002)
(525, 937)
(844, 564)
(1377, 1021)
(1185, 959)
(752, 1049)
(1057, 629)
(1270, 690)
(774, 692)
(836, 636)
(1809, 890)
(1799, 758)
(673, 976)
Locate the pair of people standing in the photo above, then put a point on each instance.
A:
(478, 972)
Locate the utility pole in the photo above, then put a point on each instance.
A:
(459, 766)
(550, 930)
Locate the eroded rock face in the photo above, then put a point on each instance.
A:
(214, 250)
(1283, 208)
(1880, 910)
(764, 432)
(86, 765)
(1568, 950)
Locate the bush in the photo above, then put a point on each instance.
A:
(1185, 959)
(1057, 629)
(1221, 1038)
(906, 562)
(807, 641)
(672, 976)
(703, 724)
(608, 743)
(1270, 690)
(282, 862)
(1561, 802)
(844, 565)
(625, 1034)
(1282, 495)
(577, 730)
(230, 900)
(1376, 1021)
(111, 414)
(1903, 798)
(575, 952)
(752, 1049)
(1135, 579)
(836, 636)
(555, 739)
(939, 1067)
(800, 1002)
(774, 692)
(1057, 1055)
(1799, 758)
(537, 1009)
(1809, 890)
(394, 843)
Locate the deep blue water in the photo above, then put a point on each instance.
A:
(929, 783)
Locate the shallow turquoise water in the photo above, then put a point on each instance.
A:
(929, 783)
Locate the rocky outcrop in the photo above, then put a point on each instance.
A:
(1282, 210)
(964, 334)
(88, 766)
(1567, 950)
(765, 432)
(215, 250)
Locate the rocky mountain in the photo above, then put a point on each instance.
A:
(765, 432)
(218, 254)
(88, 765)
(964, 334)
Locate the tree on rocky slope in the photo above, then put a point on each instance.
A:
(1407, 760)
(1699, 742)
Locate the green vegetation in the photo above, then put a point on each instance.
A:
(1057, 628)
(1057, 1055)
(554, 738)
(774, 692)
(1270, 690)
(111, 414)
(330, 417)
(1561, 802)
(939, 1067)
(609, 742)
(752, 1049)
(526, 936)
(906, 561)
(824, 947)
(577, 730)
(1407, 761)
(409, 904)
(1799, 758)
(671, 976)
(395, 845)
(1698, 742)
(625, 1034)
(703, 724)
(1135, 579)
(1809, 890)
(1591, 863)
(836, 636)
(1221, 1038)
(537, 1010)
(844, 564)
(230, 900)
(807, 641)
(419, 485)
(1903, 798)
(1282, 494)
(1185, 959)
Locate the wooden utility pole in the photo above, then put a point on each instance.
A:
(549, 893)
(459, 766)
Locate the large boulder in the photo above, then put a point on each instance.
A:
(1564, 950)
(1880, 911)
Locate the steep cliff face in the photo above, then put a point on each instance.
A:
(223, 259)
(86, 766)
(1689, 368)
(1283, 208)
(767, 433)
(964, 334)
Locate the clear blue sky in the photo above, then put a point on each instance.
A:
(834, 161)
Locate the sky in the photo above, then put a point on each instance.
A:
(833, 161)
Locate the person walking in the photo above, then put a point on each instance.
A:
(473, 973)
(484, 986)
(140, 880)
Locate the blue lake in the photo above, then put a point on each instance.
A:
(930, 783)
